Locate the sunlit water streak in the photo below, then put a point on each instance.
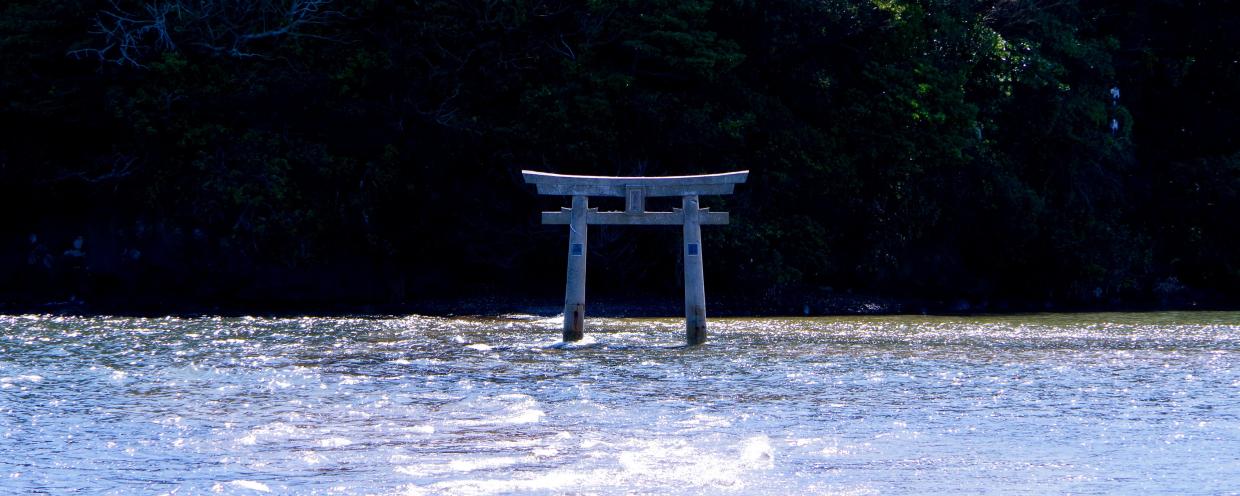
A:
(1042, 404)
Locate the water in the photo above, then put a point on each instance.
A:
(1045, 404)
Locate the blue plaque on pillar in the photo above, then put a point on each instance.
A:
(693, 249)
(577, 250)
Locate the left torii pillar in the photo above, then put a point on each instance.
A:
(575, 289)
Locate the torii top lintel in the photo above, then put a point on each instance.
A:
(635, 190)
(569, 185)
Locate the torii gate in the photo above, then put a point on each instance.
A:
(635, 190)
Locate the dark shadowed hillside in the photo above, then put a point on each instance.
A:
(992, 155)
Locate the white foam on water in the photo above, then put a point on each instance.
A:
(334, 442)
(525, 417)
(21, 378)
(480, 347)
(655, 466)
(421, 429)
(553, 481)
(13, 381)
(520, 316)
(678, 463)
(458, 466)
(279, 384)
(516, 443)
(312, 458)
(522, 409)
(482, 463)
(550, 322)
(270, 432)
(400, 458)
(757, 452)
(642, 466)
(589, 341)
(247, 484)
(702, 420)
(501, 410)
(410, 490)
(835, 450)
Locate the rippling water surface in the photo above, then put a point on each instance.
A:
(1101, 403)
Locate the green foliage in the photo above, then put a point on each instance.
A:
(920, 147)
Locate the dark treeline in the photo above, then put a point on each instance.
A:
(1004, 153)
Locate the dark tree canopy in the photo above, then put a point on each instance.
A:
(303, 152)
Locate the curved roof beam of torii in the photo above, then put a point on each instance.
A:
(570, 185)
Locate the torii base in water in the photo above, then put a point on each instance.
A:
(635, 190)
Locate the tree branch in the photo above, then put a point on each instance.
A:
(132, 32)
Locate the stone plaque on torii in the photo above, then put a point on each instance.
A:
(635, 190)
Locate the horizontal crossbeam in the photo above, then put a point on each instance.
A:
(568, 185)
(674, 218)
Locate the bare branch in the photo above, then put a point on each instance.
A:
(121, 166)
(133, 31)
(567, 51)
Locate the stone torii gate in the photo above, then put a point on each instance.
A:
(635, 190)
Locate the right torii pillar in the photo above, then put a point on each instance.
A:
(635, 190)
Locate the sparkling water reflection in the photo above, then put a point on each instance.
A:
(1105, 403)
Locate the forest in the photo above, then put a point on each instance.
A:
(969, 155)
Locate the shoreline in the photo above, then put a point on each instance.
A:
(781, 305)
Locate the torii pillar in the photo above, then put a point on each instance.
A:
(635, 190)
